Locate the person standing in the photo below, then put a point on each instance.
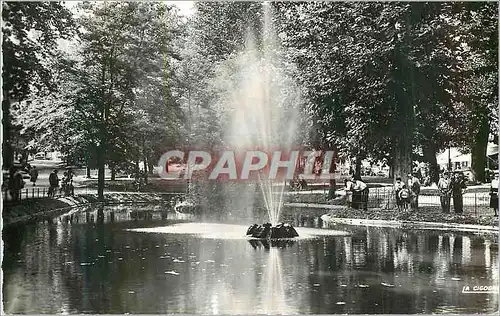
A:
(70, 187)
(444, 187)
(54, 183)
(348, 192)
(10, 181)
(494, 194)
(64, 184)
(360, 195)
(16, 184)
(398, 186)
(457, 187)
(414, 186)
(70, 174)
(33, 175)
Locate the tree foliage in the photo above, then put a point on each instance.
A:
(386, 77)
(30, 33)
(392, 82)
(124, 96)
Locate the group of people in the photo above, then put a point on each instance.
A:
(66, 188)
(298, 183)
(452, 186)
(407, 193)
(16, 182)
(356, 193)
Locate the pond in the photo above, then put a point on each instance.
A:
(151, 260)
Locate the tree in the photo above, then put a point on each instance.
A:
(122, 49)
(480, 91)
(382, 79)
(30, 34)
(223, 40)
(216, 33)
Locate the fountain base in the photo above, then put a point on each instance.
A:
(267, 231)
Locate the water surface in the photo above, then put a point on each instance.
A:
(126, 260)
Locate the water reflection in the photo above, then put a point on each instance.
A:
(267, 244)
(274, 299)
(90, 262)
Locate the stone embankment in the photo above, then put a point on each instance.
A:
(34, 208)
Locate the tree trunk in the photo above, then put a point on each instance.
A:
(333, 184)
(402, 165)
(145, 159)
(87, 165)
(100, 172)
(331, 191)
(145, 170)
(390, 164)
(101, 148)
(429, 153)
(113, 172)
(403, 139)
(357, 172)
(7, 152)
(403, 144)
(479, 148)
(404, 94)
(151, 165)
(101, 152)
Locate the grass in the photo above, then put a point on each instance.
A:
(423, 214)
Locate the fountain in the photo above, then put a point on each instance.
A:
(267, 231)
(261, 108)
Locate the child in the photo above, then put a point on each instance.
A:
(398, 186)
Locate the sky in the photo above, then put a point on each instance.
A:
(185, 7)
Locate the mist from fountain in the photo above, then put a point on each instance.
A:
(263, 107)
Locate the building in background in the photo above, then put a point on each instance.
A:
(463, 162)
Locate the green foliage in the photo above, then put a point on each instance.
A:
(221, 27)
(218, 49)
(380, 80)
(215, 33)
(376, 72)
(31, 31)
(125, 102)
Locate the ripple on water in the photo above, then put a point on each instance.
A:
(229, 231)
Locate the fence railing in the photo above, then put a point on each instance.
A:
(23, 194)
(474, 203)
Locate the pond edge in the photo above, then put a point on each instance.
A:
(83, 200)
(409, 224)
